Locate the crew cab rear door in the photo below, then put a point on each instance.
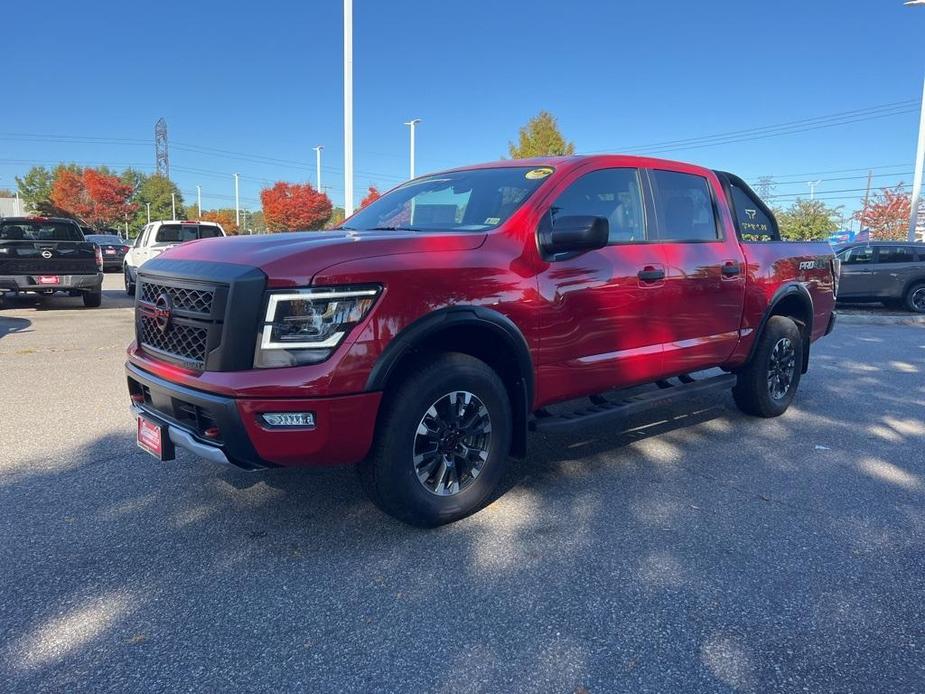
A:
(705, 284)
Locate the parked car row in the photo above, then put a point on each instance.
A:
(56, 255)
(890, 272)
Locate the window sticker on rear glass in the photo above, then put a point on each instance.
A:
(493, 220)
(534, 174)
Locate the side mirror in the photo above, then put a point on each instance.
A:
(573, 234)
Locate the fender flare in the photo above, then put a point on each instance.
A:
(787, 290)
(441, 319)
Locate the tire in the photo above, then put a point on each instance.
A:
(915, 298)
(413, 483)
(93, 299)
(129, 285)
(759, 393)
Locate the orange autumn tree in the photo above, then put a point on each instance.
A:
(372, 194)
(887, 215)
(95, 197)
(224, 217)
(294, 207)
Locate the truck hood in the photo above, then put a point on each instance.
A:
(292, 259)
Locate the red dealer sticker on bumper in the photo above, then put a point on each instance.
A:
(48, 279)
(151, 437)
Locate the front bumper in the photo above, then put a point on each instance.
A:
(29, 283)
(342, 434)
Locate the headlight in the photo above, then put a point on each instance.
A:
(304, 326)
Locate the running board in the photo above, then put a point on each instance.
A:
(606, 411)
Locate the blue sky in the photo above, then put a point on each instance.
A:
(264, 80)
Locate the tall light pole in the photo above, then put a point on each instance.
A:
(173, 205)
(348, 107)
(149, 212)
(199, 200)
(318, 166)
(412, 123)
(812, 188)
(917, 178)
(237, 203)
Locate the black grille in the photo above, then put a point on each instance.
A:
(183, 342)
(183, 298)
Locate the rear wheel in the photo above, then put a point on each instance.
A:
(442, 442)
(768, 384)
(127, 278)
(93, 299)
(915, 298)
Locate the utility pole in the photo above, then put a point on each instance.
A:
(870, 175)
(199, 200)
(348, 107)
(917, 179)
(812, 188)
(173, 205)
(149, 211)
(318, 166)
(237, 203)
(412, 123)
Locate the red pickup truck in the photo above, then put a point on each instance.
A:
(426, 337)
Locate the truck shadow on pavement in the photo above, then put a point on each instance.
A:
(700, 550)
(9, 325)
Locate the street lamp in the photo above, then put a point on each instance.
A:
(348, 107)
(916, 197)
(318, 149)
(412, 123)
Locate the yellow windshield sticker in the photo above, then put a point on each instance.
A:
(534, 174)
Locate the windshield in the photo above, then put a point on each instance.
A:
(106, 239)
(36, 230)
(472, 200)
(181, 233)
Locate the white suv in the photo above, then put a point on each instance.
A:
(157, 237)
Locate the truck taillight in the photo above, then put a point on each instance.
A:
(99, 258)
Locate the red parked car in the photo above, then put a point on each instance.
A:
(426, 337)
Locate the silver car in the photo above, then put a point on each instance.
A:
(891, 272)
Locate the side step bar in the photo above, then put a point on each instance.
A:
(606, 411)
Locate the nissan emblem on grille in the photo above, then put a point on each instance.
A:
(163, 309)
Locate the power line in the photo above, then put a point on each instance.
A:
(779, 129)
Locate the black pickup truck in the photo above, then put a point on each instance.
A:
(45, 255)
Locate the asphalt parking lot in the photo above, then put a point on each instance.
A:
(700, 551)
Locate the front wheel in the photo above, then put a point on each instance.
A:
(768, 383)
(442, 442)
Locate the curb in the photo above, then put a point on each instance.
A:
(879, 319)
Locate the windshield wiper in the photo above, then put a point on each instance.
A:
(393, 228)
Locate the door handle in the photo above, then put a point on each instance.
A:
(731, 269)
(651, 274)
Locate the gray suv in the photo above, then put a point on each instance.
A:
(891, 272)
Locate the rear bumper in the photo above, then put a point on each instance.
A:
(29, 283)
(342, 434)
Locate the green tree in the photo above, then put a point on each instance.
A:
(807, 220)
(337, 218)
(35, 188)
(540, 137)
(156, 190)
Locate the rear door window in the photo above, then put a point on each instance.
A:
(895, 254)
(684, 205)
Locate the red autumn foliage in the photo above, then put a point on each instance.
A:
(294, 207)
(99, 199)
(887, 215)
(372, 194)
